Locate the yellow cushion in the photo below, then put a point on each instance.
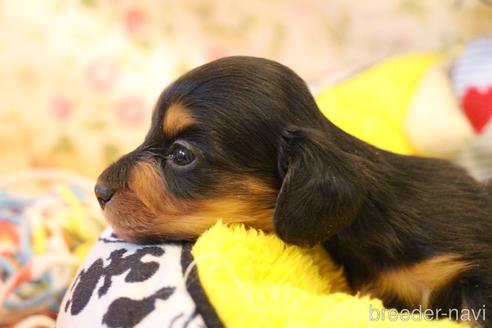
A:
(373, 104)
(255, 280)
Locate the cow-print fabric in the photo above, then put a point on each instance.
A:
(126, 285)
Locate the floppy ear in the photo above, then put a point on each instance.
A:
(322, 191)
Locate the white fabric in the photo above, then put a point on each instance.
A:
(134, 281)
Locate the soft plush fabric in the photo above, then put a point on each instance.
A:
(408, 104)
(435, 124)
(125, 285)
(373, 105)
(232, 277)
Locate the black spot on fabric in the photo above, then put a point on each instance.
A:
(113, 238)
(191, 318)
(108, 241)
(188, 320)
(125, 312)
(175, 319)
(67, 306)
(137, 271)
(88, 280)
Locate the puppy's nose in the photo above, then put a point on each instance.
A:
(103, 194)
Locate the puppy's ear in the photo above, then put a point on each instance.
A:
(322, 191)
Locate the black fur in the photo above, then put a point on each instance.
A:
(404, 210)
(373, 210)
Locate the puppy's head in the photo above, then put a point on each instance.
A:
(241, 140)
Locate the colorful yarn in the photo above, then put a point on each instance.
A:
(48, 221)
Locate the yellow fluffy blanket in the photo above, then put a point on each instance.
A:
(255, 280)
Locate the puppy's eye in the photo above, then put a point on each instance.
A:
(180, 155)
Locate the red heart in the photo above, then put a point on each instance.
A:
(478, 107)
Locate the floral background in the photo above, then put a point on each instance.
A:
(78, 78)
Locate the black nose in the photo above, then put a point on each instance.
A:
(103, 194)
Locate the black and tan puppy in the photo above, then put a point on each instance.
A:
(241, 139)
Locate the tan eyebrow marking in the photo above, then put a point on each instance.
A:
(176, 119)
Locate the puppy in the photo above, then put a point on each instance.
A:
(241, 139)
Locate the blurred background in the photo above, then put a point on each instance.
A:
(79, 79)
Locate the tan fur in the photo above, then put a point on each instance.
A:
(149, 186)
(190, 225)
(161, 214)
(128, 216)
(415, 284)
(231, 210)
(176, 119)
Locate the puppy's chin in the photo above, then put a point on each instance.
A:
(138, 222)
(134, 222)
(130, 219)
